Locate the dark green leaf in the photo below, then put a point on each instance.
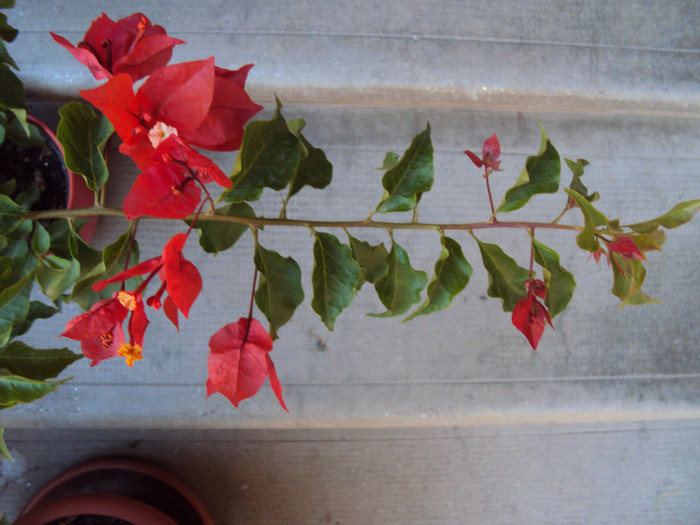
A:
(452, 273)
(314, 169)
(676, 216)
(83, 135)
(592, 218)
(410, 177)
(268, 157)
(14, 311)
(15, 389)
(5, 57)
(10, 215)
(560, 283)
(279, 291)
(21, 359)
(627, 284)
(506, 278)
(372, 260)
(217, 236)
(540, 175)
(400, 287)
(12, 95)
(335, 277)
(7, 32)
(37, 310)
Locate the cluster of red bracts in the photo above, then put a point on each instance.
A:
(177, 108)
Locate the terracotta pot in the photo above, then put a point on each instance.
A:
(79, 195)
(126, 489)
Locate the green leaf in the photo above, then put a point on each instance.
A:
(21, 359)
(560, 282)
(57, 276)
(5, 57)
(314, 169)
(7, 32)
(506, 278)
(372, 260)
(540, 175)
(391, 159)
(334, 277)
(268, 157)
(16, 310)
(279, 290)
(592, 218)
(400, 287)
(410, 177)
(12, 96)
(37, 310)
(577, 169)
(10, 215)
(4, 454)
(217, 236)
(16, 389)
(627, 284)
(41, 241)
(676, 216)
(83, 135)
(452, 273)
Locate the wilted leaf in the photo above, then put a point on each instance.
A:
(577, 169)
(452, 273)
(335, 277)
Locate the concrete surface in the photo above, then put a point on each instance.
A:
(450, 418)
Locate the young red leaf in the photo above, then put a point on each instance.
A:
(626, 247)
(529, 316)
(239, 361)
(490, 154)
(163, 191)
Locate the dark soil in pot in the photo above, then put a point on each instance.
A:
(38, 167)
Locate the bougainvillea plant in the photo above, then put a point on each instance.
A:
(167, 116)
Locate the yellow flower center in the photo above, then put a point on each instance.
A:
(128, 300)
(132, 352)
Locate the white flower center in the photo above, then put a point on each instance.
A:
(159, 132)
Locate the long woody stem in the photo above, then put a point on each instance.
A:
(257, 222)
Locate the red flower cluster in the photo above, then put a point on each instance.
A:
(529, 315)
(177, 108)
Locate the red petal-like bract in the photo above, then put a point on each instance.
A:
(178, 95)
(474, 158)
(626, 247)
(164, 191)
(98, 320)
(115, 98)
(529, 316)
(174, 150)
(231, 108)
(142, 268)
(181, 276)
(131, 45)
(491, 149)
(239, 361)
(105, 346)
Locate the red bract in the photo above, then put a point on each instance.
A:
(163, 190)
(490, 155)
(620, 249)
(179, 277)
(529, 314)
(100, 329)
(239, 362)
(173, 151)
(190, 100)
(131, 45)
